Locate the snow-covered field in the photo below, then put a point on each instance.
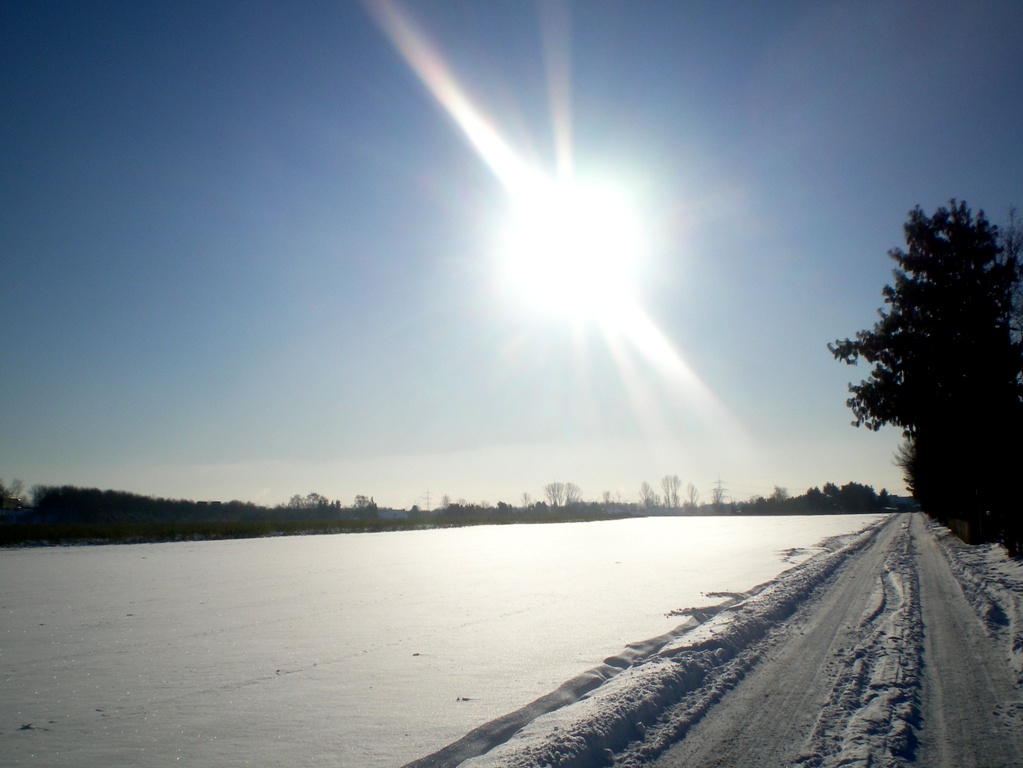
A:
(354, 650)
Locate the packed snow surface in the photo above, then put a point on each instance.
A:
(351, 650)
(899, 648)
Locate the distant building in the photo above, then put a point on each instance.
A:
(903, 503)
(11, 515)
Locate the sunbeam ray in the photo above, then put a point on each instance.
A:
(626, 329)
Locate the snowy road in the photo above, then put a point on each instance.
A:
(868, 656)
(768, 718)
(853, 680)
(972, 715)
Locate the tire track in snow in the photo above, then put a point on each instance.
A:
(866, 656)
(972, 712)
(992, 587)
(697, 668)
(874, 705)
(915, 681)
(802, 687)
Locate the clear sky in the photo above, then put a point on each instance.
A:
(253, 249)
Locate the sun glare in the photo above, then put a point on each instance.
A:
(568, 248)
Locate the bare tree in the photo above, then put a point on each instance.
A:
(606, 498)
(527, 500)
(38, 492)
(15, 491)
(780, 494)
(573, 494)
(692, 496)
(671, 484)
(555, 493)
(647, 497)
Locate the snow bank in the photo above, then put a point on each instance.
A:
(703, 660)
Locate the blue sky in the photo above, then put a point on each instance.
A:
(247, 253)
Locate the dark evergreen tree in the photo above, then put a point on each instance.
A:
(947, 370)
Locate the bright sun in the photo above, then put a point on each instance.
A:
(571, 249)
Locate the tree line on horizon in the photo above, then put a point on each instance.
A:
(850, 498)
(70, 504)
(946, 358)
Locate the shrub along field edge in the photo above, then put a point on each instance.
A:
(64, 534)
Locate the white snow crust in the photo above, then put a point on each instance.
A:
(704, 658)
(993, 584)
(378, 649)
(874, 708)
